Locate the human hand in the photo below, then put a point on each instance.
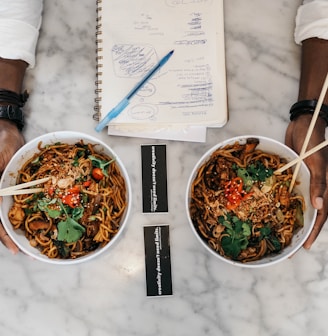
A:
(11, 139)
(317, 164)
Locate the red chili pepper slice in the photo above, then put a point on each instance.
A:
(74, 190)
(72, 200)
(234, 192)
(72, 197)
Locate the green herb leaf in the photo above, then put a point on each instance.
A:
(246, 230)
(265, 232)
(231, 247)
(80, 153)
(69, 230)
(75, 161)
(43, 205)
(238, 234)
(276, 243)
(252, 173)
(62, 248)
(244, 175)
(100, 163)
(77, 213)
(259, 172)
(243, 243)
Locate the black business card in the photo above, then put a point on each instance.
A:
(158, 260)
(154, 178)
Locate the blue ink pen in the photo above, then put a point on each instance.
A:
(125, 101)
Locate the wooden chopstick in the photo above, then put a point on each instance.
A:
(310, 129)
(302, 157)
(19, 189)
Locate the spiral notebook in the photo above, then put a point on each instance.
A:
(189, 93)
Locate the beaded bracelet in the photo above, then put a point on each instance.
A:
(308, 107)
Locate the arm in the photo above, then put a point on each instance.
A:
(314, 68)
(20, 21)
(11, 78)
(11, 139)
(19, 28)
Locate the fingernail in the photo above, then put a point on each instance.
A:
(318, 203)
(13, 251)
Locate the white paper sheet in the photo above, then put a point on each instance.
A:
(187, 133)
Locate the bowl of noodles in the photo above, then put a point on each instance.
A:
(241, 210)
(80, 209)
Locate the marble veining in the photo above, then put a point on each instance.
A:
(107, 296)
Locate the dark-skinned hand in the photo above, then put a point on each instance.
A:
(11, 139)
(317, 164)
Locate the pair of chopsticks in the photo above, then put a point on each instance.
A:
(304, 154)
(23, 188)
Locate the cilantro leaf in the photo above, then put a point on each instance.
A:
(246, 229)
(276, 243)
(237, 236)
(246, 177)
(63, 249)
(252, 173)
(80, 153)
(77, 213)
(243, 243)
(100, 163)
(259, 172)
(69, 230)
(230, 246)
(43, 205)
(265, 232)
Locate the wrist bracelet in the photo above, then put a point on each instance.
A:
(308, 107)
(14, 114)
(13, 98)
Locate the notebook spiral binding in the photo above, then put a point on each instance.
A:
(99, 57)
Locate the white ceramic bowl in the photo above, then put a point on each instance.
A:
(9, 178)
(270, 146)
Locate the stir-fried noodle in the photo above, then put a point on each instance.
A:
(81, 206)
(240, 207)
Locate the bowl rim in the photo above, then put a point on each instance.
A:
(194, 170)
(51, 136)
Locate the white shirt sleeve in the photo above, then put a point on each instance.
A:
(312, 20)
(20, 21)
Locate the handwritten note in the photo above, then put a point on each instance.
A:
(191, 88)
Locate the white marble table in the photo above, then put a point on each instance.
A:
(107, 296)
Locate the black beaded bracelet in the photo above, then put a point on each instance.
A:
(308, 107)
(13, 98)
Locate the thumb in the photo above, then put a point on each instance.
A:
(317, 190)
(317, 202)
